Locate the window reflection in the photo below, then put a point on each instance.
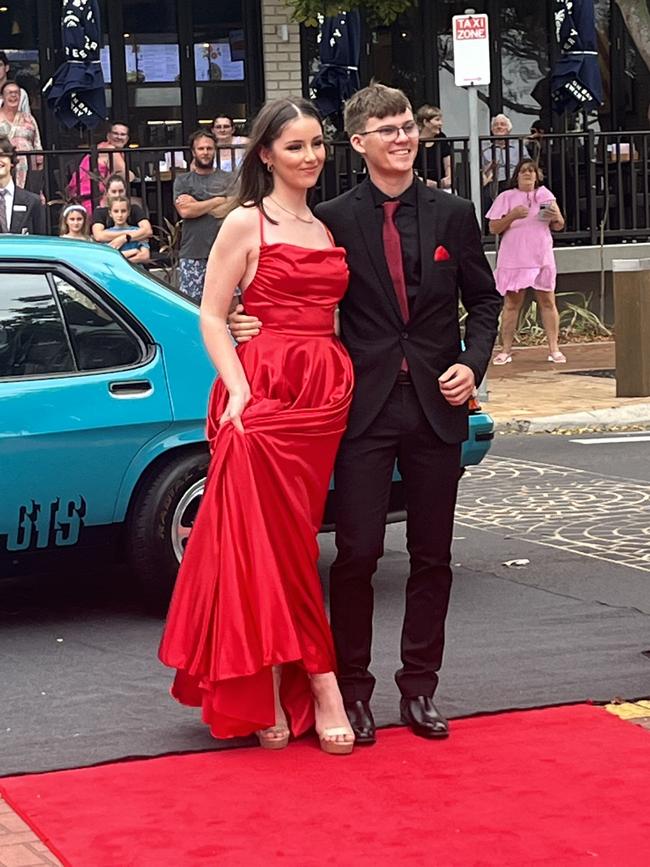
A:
(525, 63)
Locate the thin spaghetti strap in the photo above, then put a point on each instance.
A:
(329, 234)
(262, 241)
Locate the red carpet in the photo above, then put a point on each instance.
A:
(562, 786)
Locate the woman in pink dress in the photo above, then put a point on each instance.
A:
(524, 216)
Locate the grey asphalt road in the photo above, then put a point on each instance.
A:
(576, 508)
(625, 455)
(552, 572)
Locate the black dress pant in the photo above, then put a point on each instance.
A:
(430, 469)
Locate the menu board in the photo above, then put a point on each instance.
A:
(151, 63)
(213, 62)
(105, 57)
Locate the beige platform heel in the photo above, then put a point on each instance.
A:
(275, 737)
(336, 748)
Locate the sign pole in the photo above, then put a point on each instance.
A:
(475, 153)
(471, 40)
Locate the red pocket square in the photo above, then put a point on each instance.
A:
(441, 254)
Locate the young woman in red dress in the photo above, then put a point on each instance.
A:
(247, 629)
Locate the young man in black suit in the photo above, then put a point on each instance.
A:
(21, 212)
(412, 251)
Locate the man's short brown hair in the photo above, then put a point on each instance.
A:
(376, 100)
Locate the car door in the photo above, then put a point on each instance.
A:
(82, 389)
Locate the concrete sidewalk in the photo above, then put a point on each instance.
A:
(532, 395)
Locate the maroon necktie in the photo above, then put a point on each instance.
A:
(393, 254)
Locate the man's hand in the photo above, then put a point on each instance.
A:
(118, 241)
(242, 327)
(457, 384)
(185, 199)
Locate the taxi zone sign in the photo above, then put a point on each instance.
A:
(471, 49)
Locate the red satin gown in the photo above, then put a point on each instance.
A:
(248, 594)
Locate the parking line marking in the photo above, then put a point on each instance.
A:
(599, 441)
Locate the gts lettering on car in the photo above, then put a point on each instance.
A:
(39, 526)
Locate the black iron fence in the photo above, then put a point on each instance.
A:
(600, 179)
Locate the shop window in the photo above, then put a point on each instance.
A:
(219, 48)
(633, 109)
(525, 65)
(152, 60)
(396, 55)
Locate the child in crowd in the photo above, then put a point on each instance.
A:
(134, 251)
(74, 223)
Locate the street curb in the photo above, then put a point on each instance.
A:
(614, 418)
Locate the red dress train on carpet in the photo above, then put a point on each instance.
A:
(248, 595)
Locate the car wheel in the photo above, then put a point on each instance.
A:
(160, 523)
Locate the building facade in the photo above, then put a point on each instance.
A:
(172, 64)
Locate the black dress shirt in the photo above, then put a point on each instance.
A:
(406, 220)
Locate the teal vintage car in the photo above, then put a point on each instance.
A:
(104, 383)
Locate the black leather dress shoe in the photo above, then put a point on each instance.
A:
(362, 722)
(423, 717)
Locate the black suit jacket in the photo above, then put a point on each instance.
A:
(372, 327)
(29, 215)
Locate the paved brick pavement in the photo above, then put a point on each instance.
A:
(531, 386)
(19, 845)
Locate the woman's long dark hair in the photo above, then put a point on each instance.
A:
(255, 181)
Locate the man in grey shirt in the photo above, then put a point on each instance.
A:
(200, 197)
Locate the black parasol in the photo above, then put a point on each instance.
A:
(337, 77)
(576, 84)
(76, 92)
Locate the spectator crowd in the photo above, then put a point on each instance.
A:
(100, 205)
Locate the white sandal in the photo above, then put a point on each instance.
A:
(557, 357)
(502, 358)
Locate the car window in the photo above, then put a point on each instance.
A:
(33, 341)
(99, 341)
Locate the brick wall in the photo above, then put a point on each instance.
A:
(281, 50)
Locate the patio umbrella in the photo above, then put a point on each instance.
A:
(575, 80)
(337, 77)
(76, 92)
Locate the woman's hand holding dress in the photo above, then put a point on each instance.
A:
(237, 403)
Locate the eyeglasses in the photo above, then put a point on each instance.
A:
(391, 133)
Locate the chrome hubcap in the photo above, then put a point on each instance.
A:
(184, 515)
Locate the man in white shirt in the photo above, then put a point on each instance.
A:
(23, 105)
(21, 212)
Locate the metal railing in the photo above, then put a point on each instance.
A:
(600, 179)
